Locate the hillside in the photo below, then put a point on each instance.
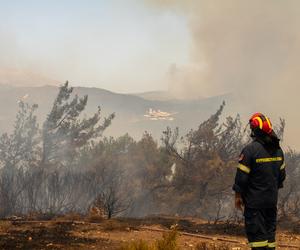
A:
(129, 108)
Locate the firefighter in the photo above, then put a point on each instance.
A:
(260, 173)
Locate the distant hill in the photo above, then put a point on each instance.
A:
(129, 109)
(156, 96)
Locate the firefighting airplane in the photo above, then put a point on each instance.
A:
(156, 115)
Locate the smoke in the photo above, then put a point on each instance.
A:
(15, 68)
(239, 45)
(248, 48)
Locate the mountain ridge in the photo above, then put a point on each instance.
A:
(130, 109)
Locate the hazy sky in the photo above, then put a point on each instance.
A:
(120, 45)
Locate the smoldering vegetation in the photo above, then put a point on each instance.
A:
(67, 165)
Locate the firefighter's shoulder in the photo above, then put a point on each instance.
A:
(255, 145)
(251, 147)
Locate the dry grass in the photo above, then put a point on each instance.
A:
(168, 242)
(115, 225)
(138, 245)
(212, 246)
(5, 226)
(72, 216)
(94, 218)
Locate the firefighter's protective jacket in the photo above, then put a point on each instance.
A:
(260, 174)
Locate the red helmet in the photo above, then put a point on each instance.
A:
(262, 122)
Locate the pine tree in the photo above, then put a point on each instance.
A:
(20, 149)
(66, 130)
(19, 153)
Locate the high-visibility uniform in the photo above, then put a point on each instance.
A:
(260, 173)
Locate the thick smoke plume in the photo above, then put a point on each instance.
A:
(248, 48)
(241, 44)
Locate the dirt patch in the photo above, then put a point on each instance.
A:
(56, 235)
(112, 234)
